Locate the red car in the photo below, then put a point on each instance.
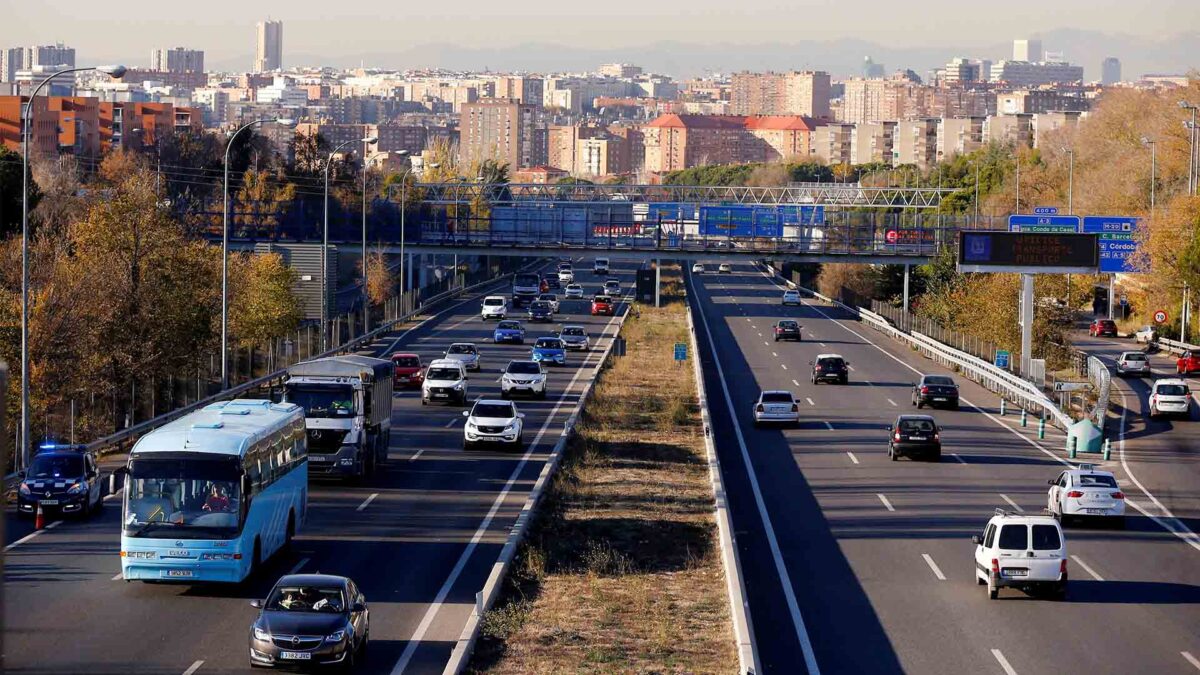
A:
(409, 372)
(1103, 328)
(602, 304)
(1188, 363)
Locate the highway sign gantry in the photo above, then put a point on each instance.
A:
(1116, 241)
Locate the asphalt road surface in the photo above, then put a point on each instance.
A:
(859, 564)
(420, 540)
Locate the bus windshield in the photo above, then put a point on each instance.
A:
(526, 281)
(322, 400)
(183, 499)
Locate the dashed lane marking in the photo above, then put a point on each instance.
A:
(31, 535)
(810, 401)
(852, 457)
(1087, 568)
(299, 566)
(892, 402)
(886, 503)
(1012, 503)
(937, 572)
(828, 425)
(1008, 669)
(367, 501)
(1191, 659)
(193, 668)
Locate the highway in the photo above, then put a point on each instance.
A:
(856, 564)
(419, 540)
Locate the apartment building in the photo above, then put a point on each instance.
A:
(1032, 74)
(1039, 101)
(959, 135)
(915, 142)
(89, 126)
(794, 93)
(562, 143)
(873, 142)
(602, 155)
(177, 60)
(523, 89)
(679, 141)
(619, 70)
(393, 138)
(1009, 129)
(504, 130)
(1047, 122)
(831, 143)
(788, 137)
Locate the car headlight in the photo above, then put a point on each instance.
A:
(459, 386)
(471, 425)
(512, 426)
(24, 489)
(260, 634)
(336, 636)
(78, 488)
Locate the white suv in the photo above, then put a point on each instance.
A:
(1170, 397)
(494, 307)
(600, 266)
(1086, 492)
(491, 421)
(566, 276)
(1022, 551)
(791, 297)
(523, 377)
(445, 380)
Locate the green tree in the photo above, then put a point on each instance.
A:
(263, 305)
(10, 192)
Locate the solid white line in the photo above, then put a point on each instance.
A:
(31, 535)
(193, 668)
(451, 423)
(367, 502)
(810, 401)
(418, 454)
(852, 457)
(760, 335)
(937, 572)
(960, 459)
(431, 612)
(298, 566)
(885, 501)
(1086, 568)
(783, 365)
(1190, 659)
(1012, 503)
(120, 575)
(1003, 662)
(892, 402)
(795, 383)
(828, 425)
(789, 593)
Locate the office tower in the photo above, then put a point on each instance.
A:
(1027, 50)
(177, 60)
(1110, 70)
(269, 52)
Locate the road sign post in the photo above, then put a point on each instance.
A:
(1002, 361)
(1160, 316)
(680, 352)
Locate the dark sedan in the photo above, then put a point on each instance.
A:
(830, 368)
(787, 329)
(935, 390)
(541, 310)
(915, 436)
(310, 620)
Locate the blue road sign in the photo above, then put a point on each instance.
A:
(1116, 242)
(1002, 359)
(1043, 223)
(681, 351)
(1046, 210)
(740, 221)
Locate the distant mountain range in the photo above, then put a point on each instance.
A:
(841, 57)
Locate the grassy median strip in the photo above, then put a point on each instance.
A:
(621, 572)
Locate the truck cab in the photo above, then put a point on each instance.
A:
(347, 403)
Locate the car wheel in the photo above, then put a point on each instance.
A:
(892, 453)
(542, 394)
(423, 401)
(993, 591)
(1060, 593)
(777, 338)
(919, 404)
(937, 456)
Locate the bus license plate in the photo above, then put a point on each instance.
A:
(295, 656)
(179, 573)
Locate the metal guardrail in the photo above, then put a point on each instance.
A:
(1175, 346)
(460, 655)
(1101, 379)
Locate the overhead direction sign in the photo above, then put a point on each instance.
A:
(1024, 252)
(1043, 223)
(1116, 241)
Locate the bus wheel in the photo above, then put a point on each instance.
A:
(255, 561)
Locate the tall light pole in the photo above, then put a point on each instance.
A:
(325, 249)
(115, 72)
(976, 193)
(1071, 181)
(366, 299)
(283, 121)
(1191, 127)
(1153, 171)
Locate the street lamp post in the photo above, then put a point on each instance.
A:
(325, 249)
(366, 298)
(289, 123)
(1071, 181)
(1153, 171)
(1191, 127)
(115, 72)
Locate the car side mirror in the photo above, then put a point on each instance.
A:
(256, 603)
(977, 539)
(466, 413)
(1051, 482)
(521, 415)
(358, 607)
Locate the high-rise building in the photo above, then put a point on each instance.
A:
(619, 70)
(872, 69)
(1027, 74)
(26, 58)
(795, 93)
(503, 130)
(1027, 50)
(962, 71)
(11, 60)
(177, 60)
(269, 52)
(1110, 70)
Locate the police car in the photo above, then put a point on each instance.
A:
(62, 479)
(1086, 493)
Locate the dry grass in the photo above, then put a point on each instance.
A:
(620, 572)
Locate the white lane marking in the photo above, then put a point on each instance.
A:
(31, 535)
(960, 459)
(193, 668)
(120, 575)
(299, 566)
(1008, 669)
(892, 402)
(1190, 659)
(431, 613)
(821, 343)
(885, 501)
(451, 423)
(795, 383)
(1086, 568)
(850, 368)
(474, 297)
(810, 401)
(418, 454)
(810, 659)
(774, 354)
(852, 457)
(367, 502)
(783, 365)
(937, 572)
(828, 425)
(765, 342)
(760, 335)
(1012, 503)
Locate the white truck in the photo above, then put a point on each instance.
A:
(347, 403)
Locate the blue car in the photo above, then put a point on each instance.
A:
(550, 350)
(540, 310)
(509, 331)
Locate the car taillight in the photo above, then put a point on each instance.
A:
(1062, 566)
(759, 407)
(937, 437)
(924, 390)
(896, 436)
(1118, 495)
(796, 408)
(1074, 494)
(995, 567)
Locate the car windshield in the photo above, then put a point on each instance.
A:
(601, 298)
(493, 302)
(549, 343)
(503, 410)
(1171, 390)
(182, 498)
(508, 325)
(407, 362)
(523, 368)
(776, 397)
(1014, 538)
(1106, 324)
(1045, 538)
(574, 287)
(573, 330)
(938, 379)
(443, 374)
(790, 325)
(321, 400)
(830, 363)
(55, 466)
(298, 598)
(1093, 480)
(790, 293)
(916, 426)
(549, 297)
(539, 306)
(461, 349)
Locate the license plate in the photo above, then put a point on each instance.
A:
(318, 458)
(441, 395)
(1016, 573)
(940, 399)
(179, 573)
(916, 438)
(50, 502)
(403, 378)
(1095, 512)
(295, 656)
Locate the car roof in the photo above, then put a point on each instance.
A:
(830, 356)
(445, 363)
(777, 391)
(908, 416)
(571, 325)
(312, 580)
(465, 344)
(398, 355)
(494, 401)
(1090, 472)
(791, 290)
(1170, 380)
(1026, 518)
(495, 297)
(1132, 352)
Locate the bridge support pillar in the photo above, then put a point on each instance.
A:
(1026, 323)
(657, 283)
(907, 270)
(409, 267)
(1112, 293)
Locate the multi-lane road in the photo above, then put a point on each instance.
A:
(855, 564)
(420, 540)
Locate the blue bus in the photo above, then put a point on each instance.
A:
(212, 495)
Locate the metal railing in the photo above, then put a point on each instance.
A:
(1175, 346)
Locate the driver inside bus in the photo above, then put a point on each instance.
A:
(217, 501)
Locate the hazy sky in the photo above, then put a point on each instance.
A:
(103, 31)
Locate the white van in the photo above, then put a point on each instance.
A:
(1022, 551)
(600, 266)
(494, 307)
